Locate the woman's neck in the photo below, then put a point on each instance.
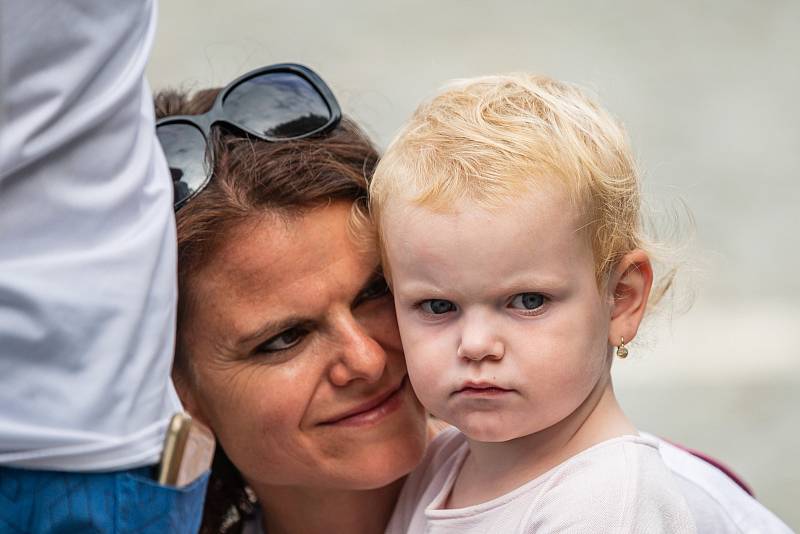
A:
(288, 509)
(494, 469)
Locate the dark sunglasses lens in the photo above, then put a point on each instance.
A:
(185, 148)
(277, 105)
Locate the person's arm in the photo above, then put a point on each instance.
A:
(87, 239)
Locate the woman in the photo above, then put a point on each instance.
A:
(287, 344)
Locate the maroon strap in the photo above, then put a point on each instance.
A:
(719, 465)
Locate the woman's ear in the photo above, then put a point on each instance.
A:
(629, 285)
(186, 393)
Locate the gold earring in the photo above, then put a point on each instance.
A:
(622, 350)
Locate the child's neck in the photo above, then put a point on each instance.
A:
(494, 469)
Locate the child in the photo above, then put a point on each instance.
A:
(508, 213)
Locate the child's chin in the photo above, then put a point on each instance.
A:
(489, 433)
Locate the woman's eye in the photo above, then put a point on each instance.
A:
(374, 290)
(527, 301)
(285, 340)
(437, 306)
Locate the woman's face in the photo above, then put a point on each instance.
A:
(296, 361)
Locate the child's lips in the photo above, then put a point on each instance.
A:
(482, 389)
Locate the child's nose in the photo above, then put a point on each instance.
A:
(479, 341)
(476, 353)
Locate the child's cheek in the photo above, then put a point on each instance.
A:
(427, 372)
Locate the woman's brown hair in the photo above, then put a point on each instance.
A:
(252, 177)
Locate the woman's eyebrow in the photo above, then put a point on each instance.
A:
(276, 327)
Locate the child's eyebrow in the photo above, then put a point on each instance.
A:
(519, 284)
(532, 281)
(418, 287)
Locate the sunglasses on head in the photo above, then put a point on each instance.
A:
(275, 103)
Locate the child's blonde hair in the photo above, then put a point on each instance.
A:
(488, 138)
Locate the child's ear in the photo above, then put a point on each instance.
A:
(629, 285)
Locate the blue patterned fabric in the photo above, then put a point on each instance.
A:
(122, 502)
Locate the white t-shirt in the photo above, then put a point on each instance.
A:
(87, 239)
(620, 485)
(718, 505)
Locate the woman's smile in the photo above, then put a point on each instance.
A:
(374, 410)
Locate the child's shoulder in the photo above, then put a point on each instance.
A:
(618, 459)
(443, 455)
(619, 485)
(440, 463)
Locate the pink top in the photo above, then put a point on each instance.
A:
(619, 485)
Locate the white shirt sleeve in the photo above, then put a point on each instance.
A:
(617, 486)
(719, 506)
(87, 239)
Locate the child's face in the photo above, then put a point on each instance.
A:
(504, 329)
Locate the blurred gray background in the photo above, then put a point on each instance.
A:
(709, 93)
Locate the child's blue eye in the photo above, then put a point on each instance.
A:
(437, 306)
(527, 301)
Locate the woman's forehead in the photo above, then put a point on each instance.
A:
(272, 260)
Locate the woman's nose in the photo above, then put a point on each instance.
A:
(479, 340)
(359, 356)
